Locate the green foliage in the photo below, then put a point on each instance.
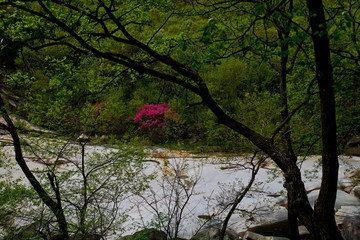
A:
(356, 178)
(12, 197)
(231, 49)
(92, 184)
(241, 50)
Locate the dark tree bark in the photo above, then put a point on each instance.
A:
(324, 209)
(286, 133)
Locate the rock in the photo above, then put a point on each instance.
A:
(213, 232)
(4, 132)
(255, 236)
(352, 174)
(342, 199)
(348, 222)
(104, 138)
(303, 231)
(252, 236)
(353, 146)
(356, 192)
(147, 234)
(279, 229)
(345, 199)
(348, 189)
(154, 150)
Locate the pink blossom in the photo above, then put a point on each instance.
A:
(152, 115)
(98, 109)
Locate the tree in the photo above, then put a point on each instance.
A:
(324, 209)
(170, 202)
(93, 27)
(54, 205)
(88, 194)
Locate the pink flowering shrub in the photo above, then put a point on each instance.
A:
(98, 109)
(157, 121)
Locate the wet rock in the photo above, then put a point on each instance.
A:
(348, 222)
(342, 199)
(345, 199)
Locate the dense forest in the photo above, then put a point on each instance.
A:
(279, 76)
(242, 52)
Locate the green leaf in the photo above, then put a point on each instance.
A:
(347, 16)
(48, 3)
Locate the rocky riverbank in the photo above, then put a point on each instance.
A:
(213, 179)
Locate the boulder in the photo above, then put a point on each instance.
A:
(147, 234)
(353, 146)
(279, 229)
(252, 236)
(345, 199)
(342, 199)
(213, 232)
(348, 221)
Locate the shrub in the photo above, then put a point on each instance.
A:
(98, 109)
(158, 122)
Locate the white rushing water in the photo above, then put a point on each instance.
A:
(216, 181)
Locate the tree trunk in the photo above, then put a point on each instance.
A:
(292, 217)
(315, 221)
(324, 208)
